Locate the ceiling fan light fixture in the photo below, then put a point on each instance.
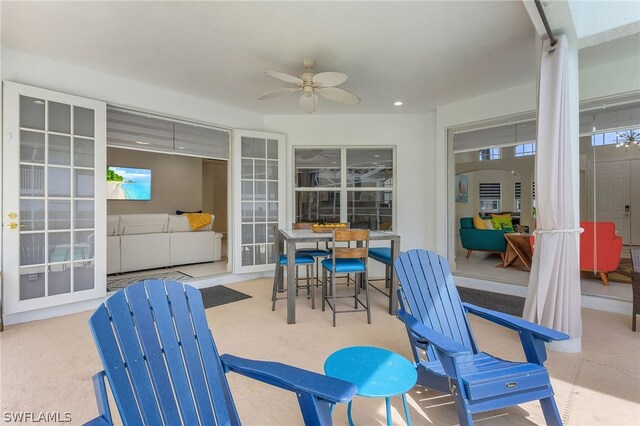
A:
(312, 85)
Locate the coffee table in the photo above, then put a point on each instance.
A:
(377, 372)
(518, 247)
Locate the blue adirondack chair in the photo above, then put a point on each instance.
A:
(163, 366)
(436, 322)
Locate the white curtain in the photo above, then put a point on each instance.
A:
(553, 298)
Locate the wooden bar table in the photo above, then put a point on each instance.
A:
(294, 236)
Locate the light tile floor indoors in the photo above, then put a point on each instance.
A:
(47, 365)
(487, 266)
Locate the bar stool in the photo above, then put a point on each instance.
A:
(281, 263)
(382, 255)
(350, 260)
(317, 253)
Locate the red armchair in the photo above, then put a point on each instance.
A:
(600, 248)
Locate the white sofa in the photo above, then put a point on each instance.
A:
(147, 241)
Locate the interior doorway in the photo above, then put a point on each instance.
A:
(613, 198)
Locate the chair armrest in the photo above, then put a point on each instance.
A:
(103, 403)
(514, 323)
(291, 378)
(445, 344)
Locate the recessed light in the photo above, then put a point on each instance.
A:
(377, 156)
(398, 103)
(38, 102)
(181, 147)
(143, 143)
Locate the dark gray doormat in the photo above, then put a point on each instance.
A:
(220, 295)
(512, 305)
(115, 283)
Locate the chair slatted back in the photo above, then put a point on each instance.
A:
(635, 259)
(160, 358)
(278, 244)
(358, 236)
(428, 292)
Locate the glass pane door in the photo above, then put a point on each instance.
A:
(259, 186)
(50, 201)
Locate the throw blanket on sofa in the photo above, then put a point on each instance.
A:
(198, 220)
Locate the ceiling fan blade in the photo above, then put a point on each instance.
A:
(338, 95)
(285, 77)
(329, 79)
(279, 92)
(309, 102)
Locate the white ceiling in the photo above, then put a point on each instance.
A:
(426, 53)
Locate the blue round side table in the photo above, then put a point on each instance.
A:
(377, 372)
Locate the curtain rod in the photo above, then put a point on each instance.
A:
(545, 22)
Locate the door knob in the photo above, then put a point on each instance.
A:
(13, 225)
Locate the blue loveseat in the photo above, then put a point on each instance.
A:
(491, 240)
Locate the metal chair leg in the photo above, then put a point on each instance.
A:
(274, 293)
(324, 287)
(366, 292)
(333, 295)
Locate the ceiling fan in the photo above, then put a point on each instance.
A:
(312, 85)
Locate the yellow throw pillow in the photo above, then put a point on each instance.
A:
(501, 221)
(479, 223)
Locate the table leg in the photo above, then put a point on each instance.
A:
(387, 402)
(406, 409)
(393, 291)
(349, 414)
(291, 282)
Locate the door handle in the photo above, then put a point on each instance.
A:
(13, 225)
(627, 210)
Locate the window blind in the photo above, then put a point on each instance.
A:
(611, 118)
(490, 191)
(136, 131)
(128, 130)
(533, 190)
(517, 189)
(507, 135)
(201, 141)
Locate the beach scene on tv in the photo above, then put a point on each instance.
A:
(124, 183)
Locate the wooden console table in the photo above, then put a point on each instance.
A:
(518, 247)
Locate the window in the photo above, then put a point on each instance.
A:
(517, 190)
(360, 193)
(608, 138)
(489, 154)
(490, 197)
(525, 149)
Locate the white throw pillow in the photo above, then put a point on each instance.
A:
(489, 224)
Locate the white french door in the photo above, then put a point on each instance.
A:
(259, 200)
(53, 194)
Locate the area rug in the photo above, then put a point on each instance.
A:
(512, 305)
(221, 295)
(623, 273)
(115, 283)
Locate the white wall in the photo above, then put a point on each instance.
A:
(41, 72)
(413, 136)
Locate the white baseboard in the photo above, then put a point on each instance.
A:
(89, 305)
(600, 303)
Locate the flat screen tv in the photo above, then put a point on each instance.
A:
(125, 183)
